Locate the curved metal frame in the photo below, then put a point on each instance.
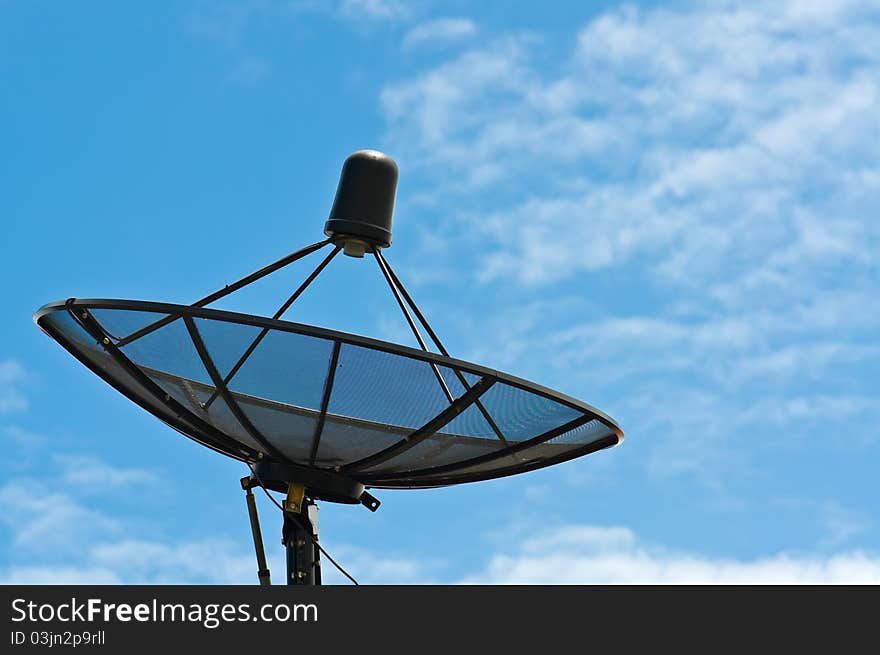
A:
(194, 427)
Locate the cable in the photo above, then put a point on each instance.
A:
(307, 532)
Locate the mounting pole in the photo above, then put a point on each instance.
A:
(300, 537)
(263, 568)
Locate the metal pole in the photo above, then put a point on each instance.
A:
(299, 536)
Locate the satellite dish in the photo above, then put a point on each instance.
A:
(317, 413)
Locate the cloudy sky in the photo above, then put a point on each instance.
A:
(669, 212)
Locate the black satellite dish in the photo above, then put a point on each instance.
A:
(321, 414)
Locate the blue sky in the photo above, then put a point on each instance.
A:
(669, 213)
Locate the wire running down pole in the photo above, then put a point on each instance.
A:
(300, 537)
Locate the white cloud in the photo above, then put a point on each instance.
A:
(229, 22)
(598, 555)
(573, 554)
(88, 471)
(57, 537)
(58, 575)
(12, 374)
(22, 437)
(837, 523)
(43, 521)
(208, 561)
(226, 22)
(379, 568)
(439, 31)
(215, 561)
(375, 10)
(702, 156)
(436, 113)
(44, 518)
(706, 206)
(57, 540)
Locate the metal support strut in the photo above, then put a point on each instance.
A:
(401, 294)
(225, 291)
(412, 325)
(278, 314)
(262, 567)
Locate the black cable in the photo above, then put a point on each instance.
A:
(307, 532)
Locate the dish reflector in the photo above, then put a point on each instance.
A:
(343, 405)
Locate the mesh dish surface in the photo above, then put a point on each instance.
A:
(325, 399)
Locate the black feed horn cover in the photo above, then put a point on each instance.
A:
(364, 203)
